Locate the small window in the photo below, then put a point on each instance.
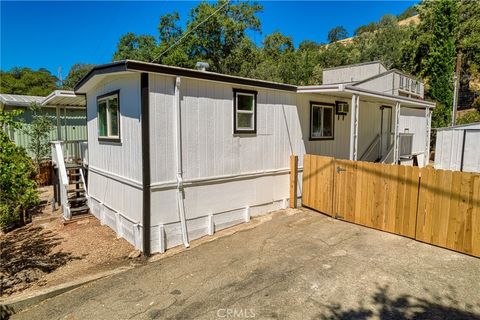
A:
(109, 116)
(321, 121)
(402, 79)
(244, 111)
(414, 84)
(407, 85)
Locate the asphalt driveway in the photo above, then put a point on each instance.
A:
(298, 265)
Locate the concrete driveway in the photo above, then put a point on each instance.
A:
(298, 265)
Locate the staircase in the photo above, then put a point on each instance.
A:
(69, 182)
(76, 193)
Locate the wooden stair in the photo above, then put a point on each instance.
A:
(76, 191)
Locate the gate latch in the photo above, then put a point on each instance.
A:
(339, 169)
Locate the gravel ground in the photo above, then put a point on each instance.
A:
(46, 252)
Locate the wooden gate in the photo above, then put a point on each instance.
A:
(434, 206)
(318, 183)
(375, 195)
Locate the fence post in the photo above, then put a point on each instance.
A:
(293, 180)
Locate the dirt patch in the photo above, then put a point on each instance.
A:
(47, 252)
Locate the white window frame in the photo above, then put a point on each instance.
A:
(322, 106)
(253, 112)
(106, 98)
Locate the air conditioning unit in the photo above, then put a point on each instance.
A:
(341, 107)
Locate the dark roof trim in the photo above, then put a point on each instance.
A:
(129, 65)
(101, 69)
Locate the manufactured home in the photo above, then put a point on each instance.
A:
(64, 108)
(175, 153)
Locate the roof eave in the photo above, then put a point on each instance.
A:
(113, 67)
(139, 66)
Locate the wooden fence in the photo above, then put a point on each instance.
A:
(434, 206)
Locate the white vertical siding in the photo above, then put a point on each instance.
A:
(338, 147)
(448, 149)
(352, 73)
(382, 84)
(471, 152)
(162, 130)
(369, 123)
(450, 146)
(115, 168)
(123, 158)
(224, 173)
(208, 144)
(415, 121)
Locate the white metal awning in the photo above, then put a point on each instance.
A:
(18, 100)
(343, 90)
(64, 98)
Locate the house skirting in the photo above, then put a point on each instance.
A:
(270, 193)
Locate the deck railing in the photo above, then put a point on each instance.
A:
(74, 149)
(58, 160)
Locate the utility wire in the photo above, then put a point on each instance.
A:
(190, 31)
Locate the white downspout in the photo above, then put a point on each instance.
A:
(178, 127)
(428, 119)
(396, 142)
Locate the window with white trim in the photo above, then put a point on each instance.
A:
(321, 121)
(244, 111)
(109, 116)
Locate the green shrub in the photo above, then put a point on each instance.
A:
(39, 132)
(18, 189)
(469, 117)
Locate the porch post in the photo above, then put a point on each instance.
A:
(354, 127)
(428, 119)
(59, 126)
(65, 121)
(396, 141)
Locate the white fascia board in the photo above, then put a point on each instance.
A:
(60, 94)
(321, 88)
(411, 102)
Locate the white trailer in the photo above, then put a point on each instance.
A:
(175, 154)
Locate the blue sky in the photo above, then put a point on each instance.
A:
(59, 34)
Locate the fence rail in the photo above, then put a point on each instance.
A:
(433, 206)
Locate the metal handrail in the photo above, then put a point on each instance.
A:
(387, 156)
(371, 147)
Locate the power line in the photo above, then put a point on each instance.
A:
(190, 31)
